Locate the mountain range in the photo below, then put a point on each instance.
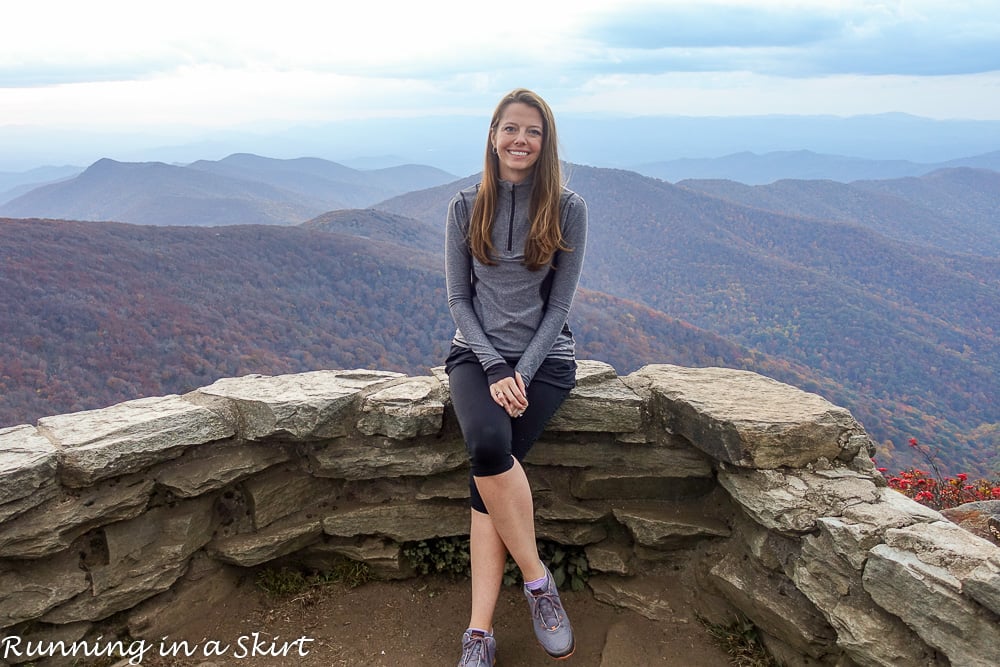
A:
(753, 169)
(331, 185)
(454, 142)
(848, 290)
(949, 209)
(240, 189)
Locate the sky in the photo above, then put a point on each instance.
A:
(108, 64)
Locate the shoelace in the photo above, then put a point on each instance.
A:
(476, 649)
(552, 607)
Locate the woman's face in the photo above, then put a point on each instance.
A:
(518, 141)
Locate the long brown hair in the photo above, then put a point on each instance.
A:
(545, 236)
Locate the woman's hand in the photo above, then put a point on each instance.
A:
(511, 395)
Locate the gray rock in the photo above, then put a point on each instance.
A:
(677, 459)
(145, 556)
(403, 522)
(592, 372)
(206, 469)
(618, 485)
(383, 558)
(891, 510)
(943, 544)
(772, 550)
(830, 579)
(90, 607)
(577, 534)
(161, 536)
(746, 419)
(983, 584)
(128, 437)
(640, 594)
(28, 589)
(371, 458)
(53, 525)
(16, 508)
(553, 507)
(302, 406)
(609, 558)
(42, 634)
(404, 409)
(665, 526)
(792, 500)
(350, 464)
(206, 584)
(27, 465)
(452, 485)
(772, 601)
(929, 600)
(281, 538)
(981, 518)
(600, 402)
(287, 490)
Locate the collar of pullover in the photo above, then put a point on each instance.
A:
(507, 186)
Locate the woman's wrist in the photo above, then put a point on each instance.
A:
(498, 372)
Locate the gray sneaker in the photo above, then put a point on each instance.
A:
(478, 650)
(552, 627)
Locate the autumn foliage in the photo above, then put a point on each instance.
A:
(930, 488)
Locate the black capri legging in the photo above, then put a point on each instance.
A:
(493, 438)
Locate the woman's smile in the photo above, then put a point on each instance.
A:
(518, 141)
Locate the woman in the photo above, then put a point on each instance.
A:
(514, 250)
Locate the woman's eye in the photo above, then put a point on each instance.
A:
(535, 133)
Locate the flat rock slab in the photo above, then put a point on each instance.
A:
(791, 501)
(128, 437)
(404, 409)
(747, 419)
(301, 405)
(600, 402)
(28, 463)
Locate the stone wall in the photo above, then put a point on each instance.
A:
(736, 493)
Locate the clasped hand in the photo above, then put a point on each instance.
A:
(511, 395)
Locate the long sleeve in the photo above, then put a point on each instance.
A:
(566, 278)
(458, 277)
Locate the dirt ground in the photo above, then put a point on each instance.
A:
(419, 623)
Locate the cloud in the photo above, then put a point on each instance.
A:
(219, 62)
(801, 39)
(706, 25)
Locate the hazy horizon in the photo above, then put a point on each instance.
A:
(455, 143)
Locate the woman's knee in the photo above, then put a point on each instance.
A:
(489, 450)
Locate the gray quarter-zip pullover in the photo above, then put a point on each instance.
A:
(507, 311)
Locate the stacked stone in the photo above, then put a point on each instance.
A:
(832, 566)
(740, 492)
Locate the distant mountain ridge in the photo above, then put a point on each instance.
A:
(240, 189)
(951, 209)
(760, 169)
(333, 184)
(15, 184)
(453, 142)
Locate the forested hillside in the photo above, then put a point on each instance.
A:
(908, 331)
(98, 313)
